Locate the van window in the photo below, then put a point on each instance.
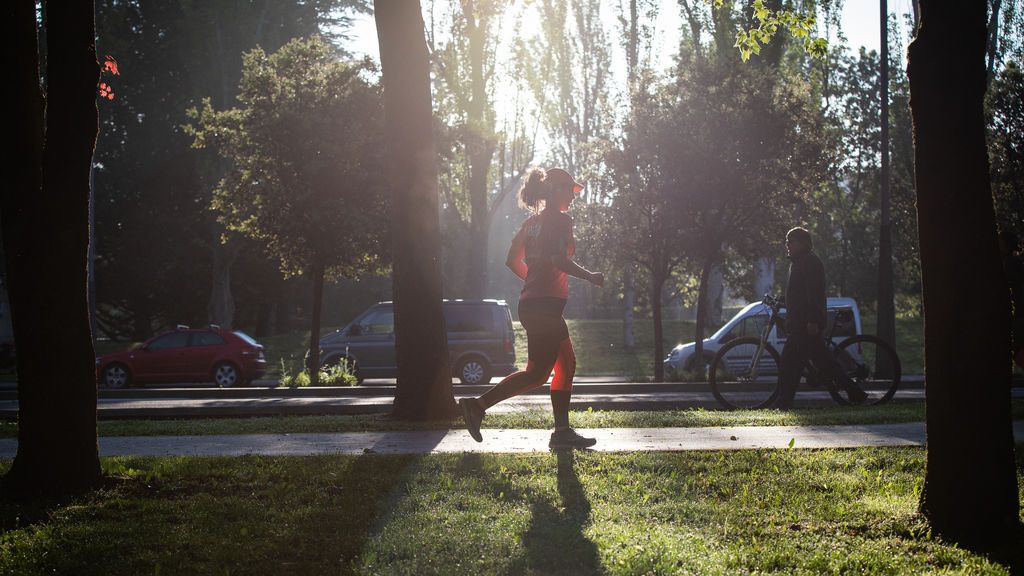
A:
(468, 319)
(378, 322)
(846, 327)
(749, 326)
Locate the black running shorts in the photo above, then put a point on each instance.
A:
(545, 328)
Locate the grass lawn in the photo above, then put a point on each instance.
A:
(785, 512)
(532, 419)
(598, 345)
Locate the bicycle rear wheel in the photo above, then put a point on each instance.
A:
(743, 379)
(872, 364)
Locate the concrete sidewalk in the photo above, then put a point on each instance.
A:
(515, 441)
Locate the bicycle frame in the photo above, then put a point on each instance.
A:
(773, 305)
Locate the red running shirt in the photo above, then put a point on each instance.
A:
(544, 235)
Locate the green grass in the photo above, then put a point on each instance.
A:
(784, 512)
(532, 419)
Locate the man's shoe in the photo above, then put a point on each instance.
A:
(856, 396)
(568, 438)
(473, 415)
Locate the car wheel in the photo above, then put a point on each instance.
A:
(115, 376)
(474, 370)
(226, 375)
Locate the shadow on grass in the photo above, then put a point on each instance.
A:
(555, 540)
(246, 515)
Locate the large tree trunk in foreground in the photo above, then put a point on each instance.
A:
(424, 388)
(46, 243)
(970, 490)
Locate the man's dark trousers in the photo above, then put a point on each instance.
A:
(800, 347)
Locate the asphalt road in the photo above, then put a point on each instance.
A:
(204, 401)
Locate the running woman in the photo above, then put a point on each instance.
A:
(541, 255)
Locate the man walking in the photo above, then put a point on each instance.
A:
(806, 318)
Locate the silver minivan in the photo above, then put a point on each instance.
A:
(481, 341)
(750, 321)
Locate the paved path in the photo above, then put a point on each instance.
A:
(515, 441)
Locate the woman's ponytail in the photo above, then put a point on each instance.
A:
(532, 192)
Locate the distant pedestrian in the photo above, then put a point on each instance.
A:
(541, 255)
(806, 318)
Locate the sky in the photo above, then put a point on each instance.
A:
(860, 24)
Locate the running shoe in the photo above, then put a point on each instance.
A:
(568, 438)
(473, 415)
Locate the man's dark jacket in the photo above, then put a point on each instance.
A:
(805, 293)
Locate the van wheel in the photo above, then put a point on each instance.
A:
(474, 370)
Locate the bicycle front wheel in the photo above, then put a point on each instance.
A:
(741, 377)
(872, 365)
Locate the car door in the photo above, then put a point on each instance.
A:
(371, 340)
(162, 359)
(204, 349)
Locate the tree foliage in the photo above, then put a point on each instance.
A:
(306, 177)
(307, 174)
(153, 224)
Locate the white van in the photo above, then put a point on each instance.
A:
(749, 322)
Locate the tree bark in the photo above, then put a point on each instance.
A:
(697, 360)
(970, 491)
(317, 276)
(220, 309)
(424, 389)
(886, 320)
(480, 149)
(628, 305)
(657, 285)
(45, 219)
(764, 276)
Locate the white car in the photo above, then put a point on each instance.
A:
(750, 321)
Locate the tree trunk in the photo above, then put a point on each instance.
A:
(764, 276)
(886, 312)
(45, 219)
(970, 491)
(220, 309)
(628, 305)
(480, 148)
(714, 296)
(697, 360)
(316, 274)
(657, 285)
(424, 389)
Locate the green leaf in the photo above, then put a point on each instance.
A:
(792, 441)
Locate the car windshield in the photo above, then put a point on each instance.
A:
(248, 339)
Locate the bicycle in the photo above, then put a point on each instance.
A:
(745, 374)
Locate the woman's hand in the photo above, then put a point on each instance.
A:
(597, 279)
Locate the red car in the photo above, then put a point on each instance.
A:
(225, 357)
